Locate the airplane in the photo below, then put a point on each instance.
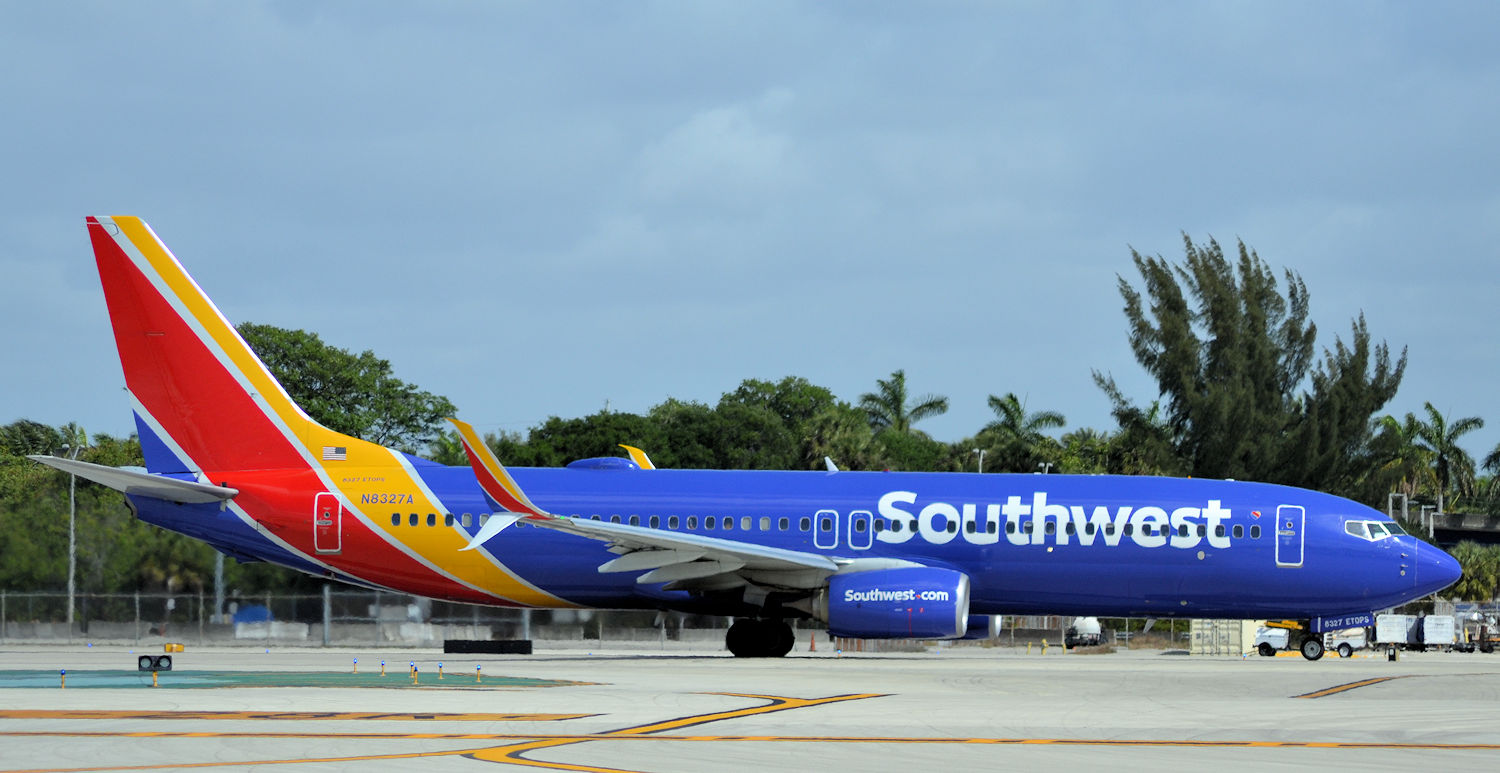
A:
(232, 460)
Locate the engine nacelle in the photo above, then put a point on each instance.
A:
(983, 627)
(907, 603)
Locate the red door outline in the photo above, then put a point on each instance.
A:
(328, 523)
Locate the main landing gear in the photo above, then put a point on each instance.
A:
(751, 638)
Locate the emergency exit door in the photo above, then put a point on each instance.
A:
(328, 524)
(1291, 522)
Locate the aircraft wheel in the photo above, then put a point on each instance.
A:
(1266, 650)
(1312, 648)
(1345, 650)
(1486, 648)
(782, 637)
(743, 637)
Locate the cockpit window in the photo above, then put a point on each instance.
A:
(1372, 530)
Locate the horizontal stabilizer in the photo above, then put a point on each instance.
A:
(141, 483)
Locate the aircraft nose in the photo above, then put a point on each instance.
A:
(1436, 570)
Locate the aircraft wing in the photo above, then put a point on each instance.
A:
(140, 482)
(684, 561)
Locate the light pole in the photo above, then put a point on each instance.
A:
(1045, 467)
(71, 451)
(980, 451)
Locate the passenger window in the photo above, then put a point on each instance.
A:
(783, 523)
(879, 526)
(710, 523)
(745, 523)
(1051, 527)
(654, 521)
(635, 520)
(826, 524)
(1239, 530)
(969, 527)
(395, 519)
(593, 518)
(1129, 527)
(1109, 528)
(1182, 529)
(895, 526)
(1255, 531)
(447, 519)
(859, 527)
(1072, 529)
(614, 519)
(728, 523)
(765, 523)
(1090, 528)
(952, 527)
(671, 522)
(990, 527)
(484, 518)
(806, 523)
(413, 519)
(692, 522)
(432, 519)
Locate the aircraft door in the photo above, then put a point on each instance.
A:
(861, 529)
(826, 529)
(328, 523)
(1291, 522)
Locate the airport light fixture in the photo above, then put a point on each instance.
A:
(70, 451)
(1045, 467)
(980, 451)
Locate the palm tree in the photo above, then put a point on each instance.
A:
(1492, 462)
(1481, 565)
(1405, 456)
(1014, 424)
(1017, 433)
(888, 407)
(1450, 464)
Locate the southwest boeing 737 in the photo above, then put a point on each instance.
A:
(233, 461)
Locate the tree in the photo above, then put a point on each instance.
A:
(841, 433)
(1015, 434)
(889, 407)
(1492, 461)
(1085, 451)
(793, 399)
(350, 393)
(1233, 359)
(1450, 463)
(1402, 456)
(1481, 567)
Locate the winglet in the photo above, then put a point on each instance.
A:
(502, 489)
(639, 457)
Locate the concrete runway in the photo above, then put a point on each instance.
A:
(960, 708)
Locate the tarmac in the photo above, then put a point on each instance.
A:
(959, 708)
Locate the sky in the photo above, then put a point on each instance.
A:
(547, 208)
